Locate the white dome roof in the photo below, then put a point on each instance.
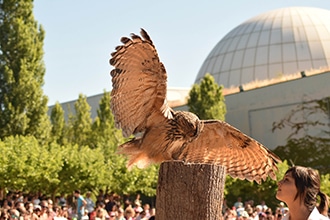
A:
(275, 43)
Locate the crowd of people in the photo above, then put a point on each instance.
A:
(17, 206)
(108, 206)
(299, 190)
(249, 211)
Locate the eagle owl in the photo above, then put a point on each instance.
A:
(139, 106)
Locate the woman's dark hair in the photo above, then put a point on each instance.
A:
(307, 182)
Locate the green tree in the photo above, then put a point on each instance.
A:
(58, 124)
(303, 147)
(325, 183)
(80, 124)
(206, 100)
(29, 166)
(82, 168)
(23, 107)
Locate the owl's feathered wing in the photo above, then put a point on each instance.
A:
(139, 85)
(138, 102)
(243, 157)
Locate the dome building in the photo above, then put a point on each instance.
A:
(270, 45)
(270, 65)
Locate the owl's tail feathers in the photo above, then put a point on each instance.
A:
(135, 155)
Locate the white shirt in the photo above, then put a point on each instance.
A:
(90, 205)
(315, 215)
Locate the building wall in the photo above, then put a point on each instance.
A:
(255, 111)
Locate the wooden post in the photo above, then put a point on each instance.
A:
(190, 191)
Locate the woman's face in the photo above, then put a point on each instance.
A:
(287, 190)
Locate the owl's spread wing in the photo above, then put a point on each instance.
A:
(138, 95)
(221, 143)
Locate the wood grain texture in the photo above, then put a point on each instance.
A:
(190, 191)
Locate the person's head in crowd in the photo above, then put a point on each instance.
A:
(129, 213)
(44, 206)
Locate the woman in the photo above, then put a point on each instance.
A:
(299, 189)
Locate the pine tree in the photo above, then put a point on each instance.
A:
(23, 107)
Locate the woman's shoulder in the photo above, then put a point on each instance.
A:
(315, 215)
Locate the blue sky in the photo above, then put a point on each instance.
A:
(80, 35)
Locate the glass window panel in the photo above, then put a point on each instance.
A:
(286, 22)
(226, 62)
(242, 29)
(223, 46)
(249, 57)
(267, 25)
(316, 50)
(287, 35)
(276, 36)
(253, 39)
(233, 44)
(259, 25)
(289, 52)
(237, 60)
(306, 20)
(304, 65)
(247, 74)
(290, 67)
(243, 41)
(326, 49)
(211, 63)
(218, 63)
(324, 33)
(312, 34)
(235, 77)
(275, 54)
(224, 76)
(261, 72)
(317, 64)
(262, 55)
(250, 27)
(264, 38)
(296, 21)
(275, 70)
(303, 52)
(277, 23)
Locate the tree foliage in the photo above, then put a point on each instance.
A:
(28, 165)
(303, 146)
(59, 128)
(81, 122)
(23, 107)
(206, 100)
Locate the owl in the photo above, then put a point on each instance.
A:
(140, 108)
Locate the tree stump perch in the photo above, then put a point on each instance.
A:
(190, 191)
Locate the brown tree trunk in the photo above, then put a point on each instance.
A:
(190, 191)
